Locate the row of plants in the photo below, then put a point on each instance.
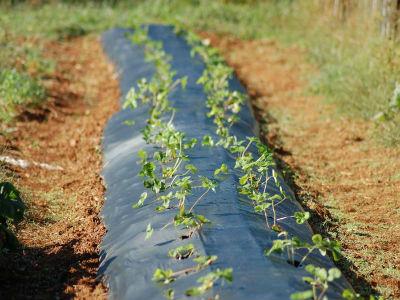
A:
(175, 184)
(168, 174)
(258, 173)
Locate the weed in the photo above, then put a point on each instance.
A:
(12, 209)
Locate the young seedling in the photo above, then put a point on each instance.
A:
(166, 276)
(182, 252)
(319, 283)
(291, 245)
(208, 281)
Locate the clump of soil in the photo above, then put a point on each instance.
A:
(349, 182)
(62, 231)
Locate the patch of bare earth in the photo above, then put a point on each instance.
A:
(62, 231)
(349, 183)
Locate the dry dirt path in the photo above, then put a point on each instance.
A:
(63, 230)
(349, 183)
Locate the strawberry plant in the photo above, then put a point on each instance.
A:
(293, 244)
(182, 252)
(166, 276)
(319, 283)
(206, 282)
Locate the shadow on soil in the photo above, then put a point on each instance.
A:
(34, 273)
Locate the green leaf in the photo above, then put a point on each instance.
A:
(350, 295)
(321, 274)
(163, 276)
(208, 281)
(160, 208)
(222, 169)
(202, 219)
(333, 274)
(275, 197)
(243, 179)
(148, 169)
(131, 99)
(205, 260)
(310, 269)
(140, 202)
(159, 155)
(208, 183)
(169, 294)
(184, 82)
(142, 154)
(277, 247)
(227, 274)
(261, 207)
(309, 280)
(207, 141)
(129, 122)
(302, 295)
(276, 228)
(317, 239)
(11, 205)
(182, 252)
(191, 168)
(190, 144)
(194, 291)
(149, 231)
(190, 220)
(301, 216)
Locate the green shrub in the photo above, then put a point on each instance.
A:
(17, 89)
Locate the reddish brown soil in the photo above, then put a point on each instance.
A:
(349, 183)
(61, 235)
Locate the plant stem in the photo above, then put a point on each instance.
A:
(198, 199)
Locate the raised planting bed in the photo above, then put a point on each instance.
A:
(194, 204)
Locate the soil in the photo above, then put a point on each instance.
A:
(60, 237)
(349, 183)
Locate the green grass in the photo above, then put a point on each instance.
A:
(17, 89)
(22, 68)
(358, 69)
